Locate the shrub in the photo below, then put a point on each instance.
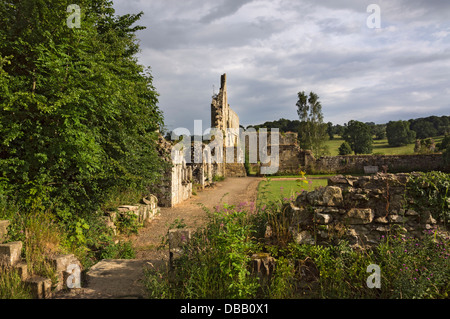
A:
(415, 268)
(345, 149)
(430, 191)
(214, 263)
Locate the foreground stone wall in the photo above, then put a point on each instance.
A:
(360, 209)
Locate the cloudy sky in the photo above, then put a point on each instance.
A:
(271, 50)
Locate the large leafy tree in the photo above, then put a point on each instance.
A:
(398, 133)
(359, 136)
(78, 114)
(312, 130)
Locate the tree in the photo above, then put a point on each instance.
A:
(423, 128)
(359, 136)
(345, 149)
(78, 114)
(330, 130)
(444, 147)
(339, 129)
(312, 131)
(398, 133)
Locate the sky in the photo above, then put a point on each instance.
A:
(270, 50)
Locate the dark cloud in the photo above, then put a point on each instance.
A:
(271, 50)
(224, 9)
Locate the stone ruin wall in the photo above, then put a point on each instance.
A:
(359, 209)
(177, 182)
(291, 158)
(223, 118)
(175, 185)
(351, 164)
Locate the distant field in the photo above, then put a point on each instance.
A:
(379, 147)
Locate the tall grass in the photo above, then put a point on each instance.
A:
(11, 285)
(217, 262)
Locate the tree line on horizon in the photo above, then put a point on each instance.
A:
(358, 136)
(424, 127)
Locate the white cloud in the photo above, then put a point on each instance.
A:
(270, 50)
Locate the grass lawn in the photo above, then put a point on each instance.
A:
(379, 147)
(276, 189)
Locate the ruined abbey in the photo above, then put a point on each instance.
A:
(200, 162)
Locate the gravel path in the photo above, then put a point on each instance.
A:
(232, 191)
(121, 278)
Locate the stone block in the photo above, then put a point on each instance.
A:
(303, 237)
(364, 235)
(10, 253)
(178, 237)
(41, 288)
(322, 219)
(370, 169)
(263, 265)
(110, 224)
(131, 209)
(411, 212)
(381, 220)
(357, 216)
(428, 218)
(61, 265)
(61, 262)
(128, 208)
(327, 196)
(299, 215)
(3, 229)
(397, 219)
(22, 270)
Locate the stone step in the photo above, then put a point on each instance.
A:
(4, 230)
(41, 287)
(10, 253)
(22, 269)
(118, 278)
(64, 266)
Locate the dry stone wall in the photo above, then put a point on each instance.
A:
(351, 164)
(360, 209)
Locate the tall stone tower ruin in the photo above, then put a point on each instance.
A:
(226, 120)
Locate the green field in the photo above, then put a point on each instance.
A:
(285, 189)
(379, 147)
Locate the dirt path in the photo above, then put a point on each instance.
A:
(232, 191)
(121, 278)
